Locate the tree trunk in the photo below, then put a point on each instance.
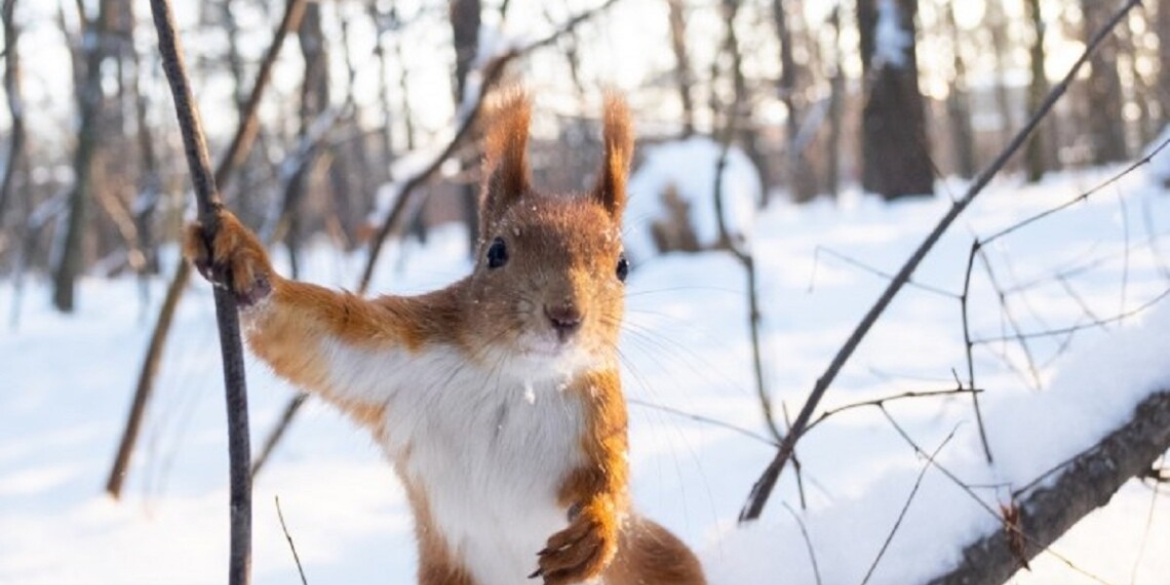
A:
(895, 154)
(465, 21)
(836, 107)
(802, 182)
(997, 27)
(1163, 31)
(959, 105)
(13, 88)
(741, 112)
(1035, 158)
(684, 76)
(68, 259)
(314, 101)
(1105, 99)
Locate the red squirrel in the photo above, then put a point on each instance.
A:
(498, 398)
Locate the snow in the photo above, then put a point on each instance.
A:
(690, 167)
(67, 382)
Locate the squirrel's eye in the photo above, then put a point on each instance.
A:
(497, 253)
(623, 268)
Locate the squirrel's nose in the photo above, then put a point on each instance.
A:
(565, 319)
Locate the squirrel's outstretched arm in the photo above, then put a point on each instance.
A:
(332, 343)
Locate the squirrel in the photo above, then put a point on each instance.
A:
(497, 399)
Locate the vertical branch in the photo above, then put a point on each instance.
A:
(227, 318)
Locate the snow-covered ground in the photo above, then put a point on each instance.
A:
(66, 382)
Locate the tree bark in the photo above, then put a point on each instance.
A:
(1162, 26)
(836, 107)
(314, 100)
(1105, 99)
(684, 76)
(69, 261)
(1035, 156)
(801, 179)
(1085, 485)
(13, 89)
(895, 153)
(465, 22)
(741, 111)
(959, 104)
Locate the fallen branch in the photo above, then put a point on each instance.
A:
(763, 487)
(1087, 483)
(227, 317)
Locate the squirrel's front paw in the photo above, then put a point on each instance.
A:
(580, 551)
(235, 259)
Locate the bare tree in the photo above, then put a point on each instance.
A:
(958, 101)
(1105, 97)
(14, 92)
(1162, 24)
(68, 261)
(1036, 159)
(895, 155)
(836, 109)
(465, 22)
(684, 75)
(801, 178)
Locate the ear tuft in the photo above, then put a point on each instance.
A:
(615, 162)
(506, 152)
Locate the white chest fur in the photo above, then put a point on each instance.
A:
(489, 450)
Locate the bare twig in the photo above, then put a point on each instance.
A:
(909, 500)
(881, 402)
(812, 554)
(703, 419)
(227, 318)
(762, 489)
(1073, 328)
(291, 546)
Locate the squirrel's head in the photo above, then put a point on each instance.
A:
(549, 277)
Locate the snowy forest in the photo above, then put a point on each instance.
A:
(894, 311)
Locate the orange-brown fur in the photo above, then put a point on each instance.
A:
(559, 269)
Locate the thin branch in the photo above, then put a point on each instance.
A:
(812, 555)
(909, 500)
(877, 271)
(227, 318)
(1071, 329)
(703, 419)
(291, 546)
(762, 489)
(881, 402)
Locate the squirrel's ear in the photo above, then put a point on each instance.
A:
(615, 162)
(506, 154)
